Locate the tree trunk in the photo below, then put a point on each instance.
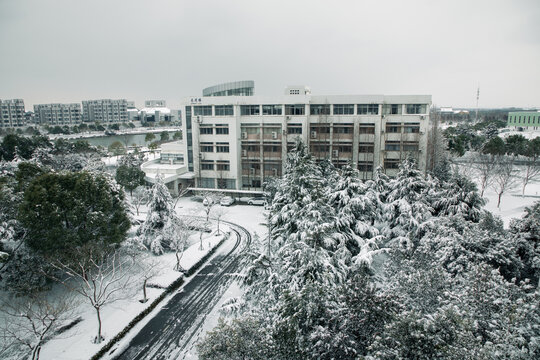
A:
(144, 290)
(98, 339)
(35, 352)
(499, 200)
(218, 226)
(200, 238)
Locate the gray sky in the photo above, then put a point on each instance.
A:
(72, 50)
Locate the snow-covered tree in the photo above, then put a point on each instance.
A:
(99, 277)
(504, 177)
(408, 204)
(28, 322)
(458, 196)
(160, 227)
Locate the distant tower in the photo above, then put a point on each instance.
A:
(477, 97)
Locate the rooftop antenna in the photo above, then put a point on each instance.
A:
(477, 97)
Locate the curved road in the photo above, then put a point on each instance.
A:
(167, 334)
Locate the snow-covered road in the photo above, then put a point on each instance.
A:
(166, 335)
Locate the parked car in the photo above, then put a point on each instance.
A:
(226, 201)
(256, 201)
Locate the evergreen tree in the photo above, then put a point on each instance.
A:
(63, 211)
(160, 227)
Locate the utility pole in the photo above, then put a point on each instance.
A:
(477, 97)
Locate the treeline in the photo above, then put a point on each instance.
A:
(404, 268)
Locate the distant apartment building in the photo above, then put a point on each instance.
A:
(157, 111)
(524, 119)
(58, 114)
(12, 113)
(105, 111)
(238, 142)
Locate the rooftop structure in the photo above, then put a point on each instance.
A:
(235, 88)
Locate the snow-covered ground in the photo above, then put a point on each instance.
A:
(76, 343)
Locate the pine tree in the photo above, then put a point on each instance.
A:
(158, 230)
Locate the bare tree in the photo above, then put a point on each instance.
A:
(149, 267)
(532, 171)
(181, 192)
(210, 199)
(485, 165)
(100, 277)
(30, 321)
(179, 243)
(140, 196)
(504, 177)
(218, 214)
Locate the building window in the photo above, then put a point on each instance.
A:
(224, 110)
(411, 128)
(367, 129)
(365, 166)
(319, 109)
(222, 148)
(202, 110)
(415, 108)
(223, 166)
(343, 109)
(226, 183)
(392, 109)
(410, 146)
(207, 165)
(393, 127)
(294, 129)
(206, 130)
(391, 164)
(299, 109)
(366, 148)
(343, 129)
(207, 183)
(392, 146)
(207, 147)
(271, 148)
(247, 110)
(343, 148)
(272, 109)
(222, 130)
(368, 109)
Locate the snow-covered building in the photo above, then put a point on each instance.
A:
(12, 113)
(171, 165)
(58, 114)
(105, 111)
(157, 111)
(236, 142)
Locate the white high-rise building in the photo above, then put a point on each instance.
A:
(12, 113)
(58, 114)
(237, 142)
(105, 111)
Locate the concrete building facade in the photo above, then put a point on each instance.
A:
(58, 114)
(237, 142)
(12, 113)
(105, 111)
(524, 119)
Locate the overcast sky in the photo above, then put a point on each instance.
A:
(71, 50)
